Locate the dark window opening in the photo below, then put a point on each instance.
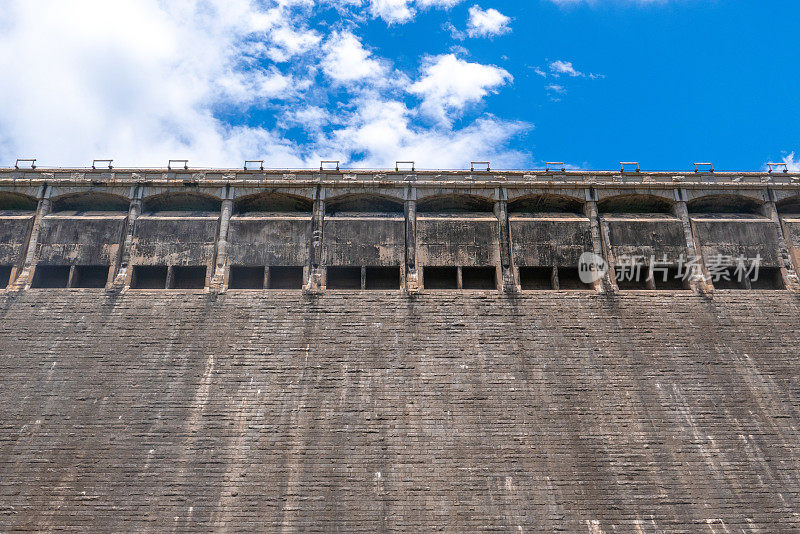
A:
(91, 276)
(632, 278)
(768, 278)
(729, 279)
(193, 277)
(536, 278)
(285, 277)
(478, 278)
(569, 279)
(669, 278)
(5, 276)
(50, 276)
(149, 277)
(382, 278)
(440, 277)
(344, 278)
(634, 204)
(246, 277)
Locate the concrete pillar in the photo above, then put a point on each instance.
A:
(608, 282)
(509, 283)
(221, 256)
(698, 274)
(25, 276)
(122, 277)
(412, 277)
(788, 269)
(315, 246)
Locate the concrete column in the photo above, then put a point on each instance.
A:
(788, 270)
(221, 259)
(122, 277)
(698, 274)
(412, 273)
(25, 276)
(509, 283)
(608, 282)
(315, 247)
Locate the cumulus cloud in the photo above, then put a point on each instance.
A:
(486, 23)
(559, 67)
(792, 163)
(448, 84)
(399, 11)
(220, 81)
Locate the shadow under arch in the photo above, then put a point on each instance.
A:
(789, 205)
(363, 203)
(272, 202)
(90, 201)
(455, 203)
(546, 203)
(181, 201)
(17, 202)
(724, 204)
(635, 203)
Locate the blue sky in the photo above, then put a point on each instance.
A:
(369, 82)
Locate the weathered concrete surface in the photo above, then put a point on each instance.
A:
(374, 411)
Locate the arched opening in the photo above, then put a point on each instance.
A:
(183, 201)
(545, 203)
(17, 202)
(790, 206)
(273, 203)
(362, 203)
(634, 204)
(90, 201)
(724, 204)
(455, 204)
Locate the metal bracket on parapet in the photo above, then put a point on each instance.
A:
(473, 163)
(548, 163)
(704, 164)
(398, 163)
(96, 161)
(771, 166)
(184, 161)
(259, 161)
(329, 162)
(622, 165)
(31, 160)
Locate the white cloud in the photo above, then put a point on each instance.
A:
(792, 163)
(564, 67)
(399, 11)
(346, 59)
(486, 23)
(448, 84)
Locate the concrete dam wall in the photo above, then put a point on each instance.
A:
(362, 352)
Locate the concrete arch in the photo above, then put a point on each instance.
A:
(17, 201)
(546, 203)
(635, 203)
(182, 201)
(363, 203)
(789, 205)
(90, 201)
(454, 203)
(273, 202)
(724, 203)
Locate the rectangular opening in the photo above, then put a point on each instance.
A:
(188, 277)
(478, 278)
(95, 276)
(569, 279)
(149, 277)
(5, 276)
(668, 279)
(535, 278)
(768, 278)
(50, 276)
(440, 277)
(286, 277)
(632, 278)
(242, 277)
(734, 280)
(382, 278)
(344, 278)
